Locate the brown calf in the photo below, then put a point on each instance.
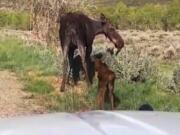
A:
(106, 79)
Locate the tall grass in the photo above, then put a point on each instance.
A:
(39, 86)
(16, 56)
(15, 20)
(132, 95)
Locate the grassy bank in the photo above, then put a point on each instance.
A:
(36, 66)
(29, 62)
(16, 56)
(38, 69)
(15, 20)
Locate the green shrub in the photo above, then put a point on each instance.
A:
(131, 67)
(15, 20)
(173, 14)
(149, 16)
(171, 83)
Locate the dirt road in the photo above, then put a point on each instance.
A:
(13, 100)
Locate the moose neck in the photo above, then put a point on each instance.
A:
(97, 27)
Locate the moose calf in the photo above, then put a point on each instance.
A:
(106, 79)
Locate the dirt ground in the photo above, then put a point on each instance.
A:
(13, 100)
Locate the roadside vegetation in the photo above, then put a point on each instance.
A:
(38, 69)
(29, 62)
(149, 16)
(15, 20)
(153, 78)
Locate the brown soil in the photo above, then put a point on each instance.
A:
(13, 100)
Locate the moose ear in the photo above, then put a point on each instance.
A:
(103, 18)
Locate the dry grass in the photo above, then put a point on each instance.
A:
(157, 44)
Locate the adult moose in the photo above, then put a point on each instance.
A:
(77, 31)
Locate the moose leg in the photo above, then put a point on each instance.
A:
(83, 54)
(65, 65)
(69, 74)
(71, 63)
(90, 66)
(111, 95)
(76, 69)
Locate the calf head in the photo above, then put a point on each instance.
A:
(111, 33)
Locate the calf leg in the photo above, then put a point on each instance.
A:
(111, 94)
(101, 95)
